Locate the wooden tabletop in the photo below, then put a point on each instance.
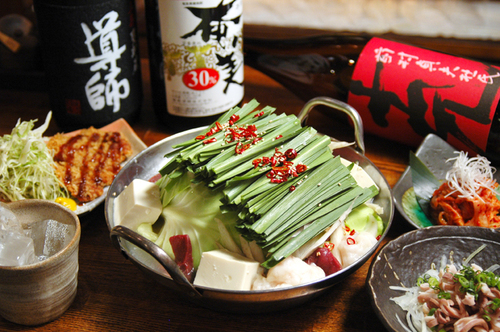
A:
(113, 295)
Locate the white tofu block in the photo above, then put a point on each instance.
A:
(138, 203)
(226, 270)
(360, 175)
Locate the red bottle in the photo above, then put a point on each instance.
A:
(402, 92)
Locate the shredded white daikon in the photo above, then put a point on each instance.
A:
(414, 317)
(468, 175)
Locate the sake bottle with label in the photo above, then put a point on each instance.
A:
(91, 60)
(402, 92)
(196, 59)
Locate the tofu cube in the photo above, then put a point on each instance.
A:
(226, 270)
(359, 174)
(138, 203)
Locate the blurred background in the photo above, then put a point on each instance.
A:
(469, 28)
(465, 19)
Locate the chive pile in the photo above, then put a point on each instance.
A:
(280, 179)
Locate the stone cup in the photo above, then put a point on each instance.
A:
(41, 292)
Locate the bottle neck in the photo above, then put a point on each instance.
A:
(310, 66)
(342, 43)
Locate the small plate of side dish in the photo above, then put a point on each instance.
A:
(397, 267)
(438, 157)
(136, 145)
(74, 169)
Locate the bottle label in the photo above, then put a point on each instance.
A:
(106, 89)
(404, 93)
(91, 60)
(202, 55)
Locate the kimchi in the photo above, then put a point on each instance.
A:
(468, 196)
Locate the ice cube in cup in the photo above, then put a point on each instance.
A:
(57, 236)
(38, 293)
(8, 220)
(16, 249)
(36, 231)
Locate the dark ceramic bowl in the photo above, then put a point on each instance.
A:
(401, 261)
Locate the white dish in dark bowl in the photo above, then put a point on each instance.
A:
(401, 261)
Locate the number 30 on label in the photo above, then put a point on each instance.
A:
(201, 78)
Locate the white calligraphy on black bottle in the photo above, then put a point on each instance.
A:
(107, 91)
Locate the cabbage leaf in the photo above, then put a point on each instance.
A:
(190, 208)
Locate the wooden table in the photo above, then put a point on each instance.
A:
(113, 295)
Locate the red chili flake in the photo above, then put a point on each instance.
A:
(352, 232)
(259, 114)
(239, 149)
(256, 140)
(279, 136)
(233, 119)
(291, 153)
(200, 137)
(234, 133)
(378, 237)
(329, 245)
(280, 168)
(351, 241)
(347, 229)
(270, 174)
(210, 140)
(292, 188)
(249, 132)
(256, 162)
(218, 127)
(301, 168)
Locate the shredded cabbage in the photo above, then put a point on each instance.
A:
(27, 165)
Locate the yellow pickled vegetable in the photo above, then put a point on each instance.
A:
(67, 202)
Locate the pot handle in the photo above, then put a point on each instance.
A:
(159, 254)
(340, 106)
